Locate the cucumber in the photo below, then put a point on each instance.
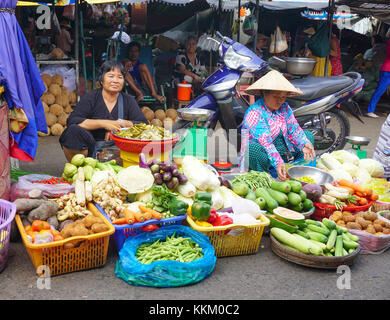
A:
(345, 237)
(294, 199)
(307, 204)
(350, 244)
(295, 241)
(297, 208)
(351, 251)
(280, 197)
(352, 237)
(317, 249)
(339, 230)
(303, 195)
(302, 234)
(320, 244)
(329, 224)
(322, 230)
(328, 254)
(302, 226)
(338, 252)
(270, 203)
(317, 236)
(331, 240)
(290, 247)
(281, 186)
(345, 252)
(313, 222)
(295, 186)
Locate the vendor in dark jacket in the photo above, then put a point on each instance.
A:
(90, 123)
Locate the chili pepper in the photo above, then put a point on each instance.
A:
(200, 211)
(213, 216)
(204, 197)
(178, 207)
(149, 228)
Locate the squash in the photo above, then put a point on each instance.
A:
(289, 216)
(274, 222)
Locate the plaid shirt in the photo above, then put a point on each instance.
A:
(262, 126)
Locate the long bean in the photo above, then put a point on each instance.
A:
(255, 179)
(173, 248)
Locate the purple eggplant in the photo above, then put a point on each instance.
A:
(225, 182)
(142, 161)
(167, 176)
(155, 168)
(182, 178)
(175, 171)
(157, 175)
(173, 183)
(158, 181)
(165, 166)
(152, 162)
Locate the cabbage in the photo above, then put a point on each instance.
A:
(228, 196)
(373, 167)
(330, 162)
(198, 174)
(340, 174)
(320, 165)
(345, 157)
(363, 176)
(187, 189)
(350, 168)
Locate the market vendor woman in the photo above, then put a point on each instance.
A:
(90, 123)
(271, 136)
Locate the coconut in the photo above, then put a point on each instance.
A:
(168, 123)
(41, 134)
(156, 122)
(172, 113)
(57, 54)
(62, 118)
(48, 98)
(144, 109)
(45, 107)
(46, 78)
(68, 109)
(149, 115)
(72, 97)
(62, 99)
(57, 129)
(56, 109)
(57, 79)
(51, 119)
(160, 114)
(64, 91)
(55, 89)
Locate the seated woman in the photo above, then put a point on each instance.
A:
(188, 66)
(97, 112)
(271, 136)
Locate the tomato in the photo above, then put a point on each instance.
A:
(39, 225)
(28, 228)
(58, 238)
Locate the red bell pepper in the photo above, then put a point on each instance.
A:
(223, 220)
(213, 216)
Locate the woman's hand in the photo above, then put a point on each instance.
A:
(308, 152)
(281, 171)
(125, 123)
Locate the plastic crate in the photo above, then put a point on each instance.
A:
(246, 241)
(122, 232)
(7, 214)
(325, 211)
(91, 253)
(380, 206)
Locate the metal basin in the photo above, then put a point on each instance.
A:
(277, 62)
(361, 141)
(300, 66)
(195, 114)
(319, 176)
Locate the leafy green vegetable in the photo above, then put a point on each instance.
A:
(162, 197)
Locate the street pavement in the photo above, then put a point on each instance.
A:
(259, 276)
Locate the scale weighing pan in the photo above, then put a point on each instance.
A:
(195, 114)
(361, 141)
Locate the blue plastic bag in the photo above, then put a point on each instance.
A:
(165, 273)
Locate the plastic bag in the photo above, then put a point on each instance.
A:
(164, 273)
(25, 184)
(319, 42)
(69, 12)
(278, 42)
(371, 244)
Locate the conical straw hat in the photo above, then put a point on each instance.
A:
(273, 80)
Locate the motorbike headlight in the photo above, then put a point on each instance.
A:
(233, 60)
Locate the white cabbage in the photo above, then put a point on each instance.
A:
(345, 157)
(350, 168)
(374, 168)
(330, 162)
(340, 174)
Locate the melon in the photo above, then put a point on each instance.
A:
(289, 216)
(274, 222)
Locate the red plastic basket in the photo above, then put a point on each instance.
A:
(137, 146)
(325, 210)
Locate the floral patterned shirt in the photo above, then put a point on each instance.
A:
(262, 126)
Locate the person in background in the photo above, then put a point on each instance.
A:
(384, 81)
(64, 41)
(335, 53)
(382, 149)
(138, 75)
(261, 46)
(98, 112)
(188, 66)
(270, 134)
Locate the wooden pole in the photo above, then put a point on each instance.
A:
(331, 9)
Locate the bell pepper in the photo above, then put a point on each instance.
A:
(200, 211)
(178, 207)
(213, 216)
(222, 220)
(203, 197)
(203, 224)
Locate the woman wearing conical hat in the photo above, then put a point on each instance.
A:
(271, 136)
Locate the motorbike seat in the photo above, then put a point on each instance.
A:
(318, 87)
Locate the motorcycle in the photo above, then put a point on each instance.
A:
(317, 110)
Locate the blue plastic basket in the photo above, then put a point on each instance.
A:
(122, 232)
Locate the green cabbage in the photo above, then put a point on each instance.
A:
(340, 174)
(350, 168)
(344, 156)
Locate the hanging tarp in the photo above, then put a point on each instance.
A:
(62, 2)
(368, 7)
(323, 15)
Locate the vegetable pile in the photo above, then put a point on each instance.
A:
(173, 248)
(142, 131)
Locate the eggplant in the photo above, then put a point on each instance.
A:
(167, 176)
(152, 162)
(158, 175)
(165, 167)
(158, 181)
(155, 168)
(225, 182)
(173, 183)
(182, 178)
(142, 161)
(175, 172)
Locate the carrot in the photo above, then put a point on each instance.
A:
(129, 216)
(374, 197)
(363, 201)
(120, 221)
(359, 194)
(155, 214)
(139, 216)
(369, 192)
(355, 187)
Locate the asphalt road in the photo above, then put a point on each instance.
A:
(259, 276)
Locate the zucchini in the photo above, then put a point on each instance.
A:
(281, 186)
(331, 240)
(317, 236)
(329, 224)
(295, 241)
(280, 197)
(322, 230)
(295, 186)
(270, 203)
(294, 199)
(313, 222)
(338, 252)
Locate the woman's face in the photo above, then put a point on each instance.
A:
(113, 81)
(191, 45)
(274, 99)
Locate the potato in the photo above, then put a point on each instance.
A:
(359, 214)
(79, 230)
(89, 220)
(68, 245)
(67, 230)
(370, 229)
(347, 213)
(378, 227)
(99, 227)
(363, 223)
(46, 210)
(349, 218)
(340, 223)
(353, 225)
(372, 216)
(336, 216)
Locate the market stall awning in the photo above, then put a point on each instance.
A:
(323, 15)
(62, 2)
(367, 7)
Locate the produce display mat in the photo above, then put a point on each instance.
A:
(320, 262)
(142, 224)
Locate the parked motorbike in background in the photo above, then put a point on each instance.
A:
(316, 110)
